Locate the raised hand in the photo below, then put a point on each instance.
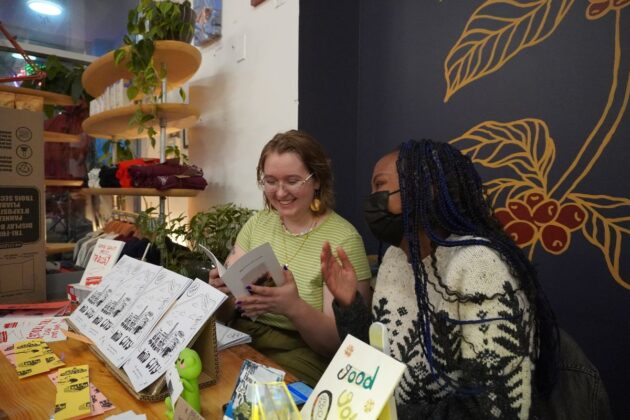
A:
(340, 277)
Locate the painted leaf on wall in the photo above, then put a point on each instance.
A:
(502, 190)
(524, 145)
(496, 32)
(608, 219)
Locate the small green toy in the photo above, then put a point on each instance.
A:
(188, 366)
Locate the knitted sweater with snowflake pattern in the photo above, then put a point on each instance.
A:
(481, 346)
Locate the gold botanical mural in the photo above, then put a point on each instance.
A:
(534, 209)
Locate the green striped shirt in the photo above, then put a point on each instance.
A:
(302, 254)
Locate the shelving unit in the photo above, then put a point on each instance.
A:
(149, 192)
(181, 61)
(54, 137)
(50, 98)
(71, 183)
(114, 123)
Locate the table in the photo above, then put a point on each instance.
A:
(34, 398)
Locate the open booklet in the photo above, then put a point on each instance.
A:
(251, 268)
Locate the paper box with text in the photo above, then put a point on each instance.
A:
(22, 212)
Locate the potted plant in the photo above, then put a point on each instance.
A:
(151, 21)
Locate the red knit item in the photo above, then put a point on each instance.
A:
(123, 174)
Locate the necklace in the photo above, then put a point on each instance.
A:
(304, 234)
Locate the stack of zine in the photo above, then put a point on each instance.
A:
(141, 316)
(229, 337)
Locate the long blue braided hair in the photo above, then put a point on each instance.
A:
(442, 192)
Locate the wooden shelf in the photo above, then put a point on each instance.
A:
(63, 182)
(59, 247)
(181, 60)
(50, 98)
(54, 137)
(141, 191)
(114, 124)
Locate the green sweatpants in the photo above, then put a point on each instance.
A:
(286, 348)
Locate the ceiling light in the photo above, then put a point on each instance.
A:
(45, 7)
(19, 56)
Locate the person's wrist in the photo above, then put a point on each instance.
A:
(346, 302)
(295, 310)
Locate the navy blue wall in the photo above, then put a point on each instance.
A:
(372, 75)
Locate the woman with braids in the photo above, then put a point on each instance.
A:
(462, 304)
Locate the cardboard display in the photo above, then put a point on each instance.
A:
(22, 213)
(204, 343)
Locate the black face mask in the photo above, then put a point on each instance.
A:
(385, 226)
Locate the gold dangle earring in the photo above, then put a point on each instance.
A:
(316, 204)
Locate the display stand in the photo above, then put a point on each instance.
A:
(204, 343)
(181, 61)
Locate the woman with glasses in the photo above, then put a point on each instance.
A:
(462, 303)
(295, 324)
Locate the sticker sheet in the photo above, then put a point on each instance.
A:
(73, 393)
(33, 357)
(118, 344)
(46, 328)
(172, 334)
(98, 401)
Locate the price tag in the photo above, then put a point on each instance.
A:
(174, 384)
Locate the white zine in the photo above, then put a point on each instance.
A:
(174, 332)
(83, 315)
(251, 267)
(118, 343)
(103, 257)
(106, 306)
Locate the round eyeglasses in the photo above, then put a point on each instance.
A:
(292, 185)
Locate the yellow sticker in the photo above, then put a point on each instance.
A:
(73, 392)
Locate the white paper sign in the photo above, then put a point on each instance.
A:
(103, 257)
(358, 382)
(174, 384)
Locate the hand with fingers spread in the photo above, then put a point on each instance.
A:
(276, 300)
(339, 276)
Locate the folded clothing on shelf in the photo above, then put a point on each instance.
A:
(123, 169)
(107, 177)
(167, 175)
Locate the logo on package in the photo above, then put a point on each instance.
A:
(24, 168)
(24, 151)
(23, 134)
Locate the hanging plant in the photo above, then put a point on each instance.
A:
(151, 21)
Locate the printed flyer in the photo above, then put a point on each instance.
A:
(357, 383)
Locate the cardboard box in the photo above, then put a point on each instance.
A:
(22, 212)
(7, 100)
(29, 102)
